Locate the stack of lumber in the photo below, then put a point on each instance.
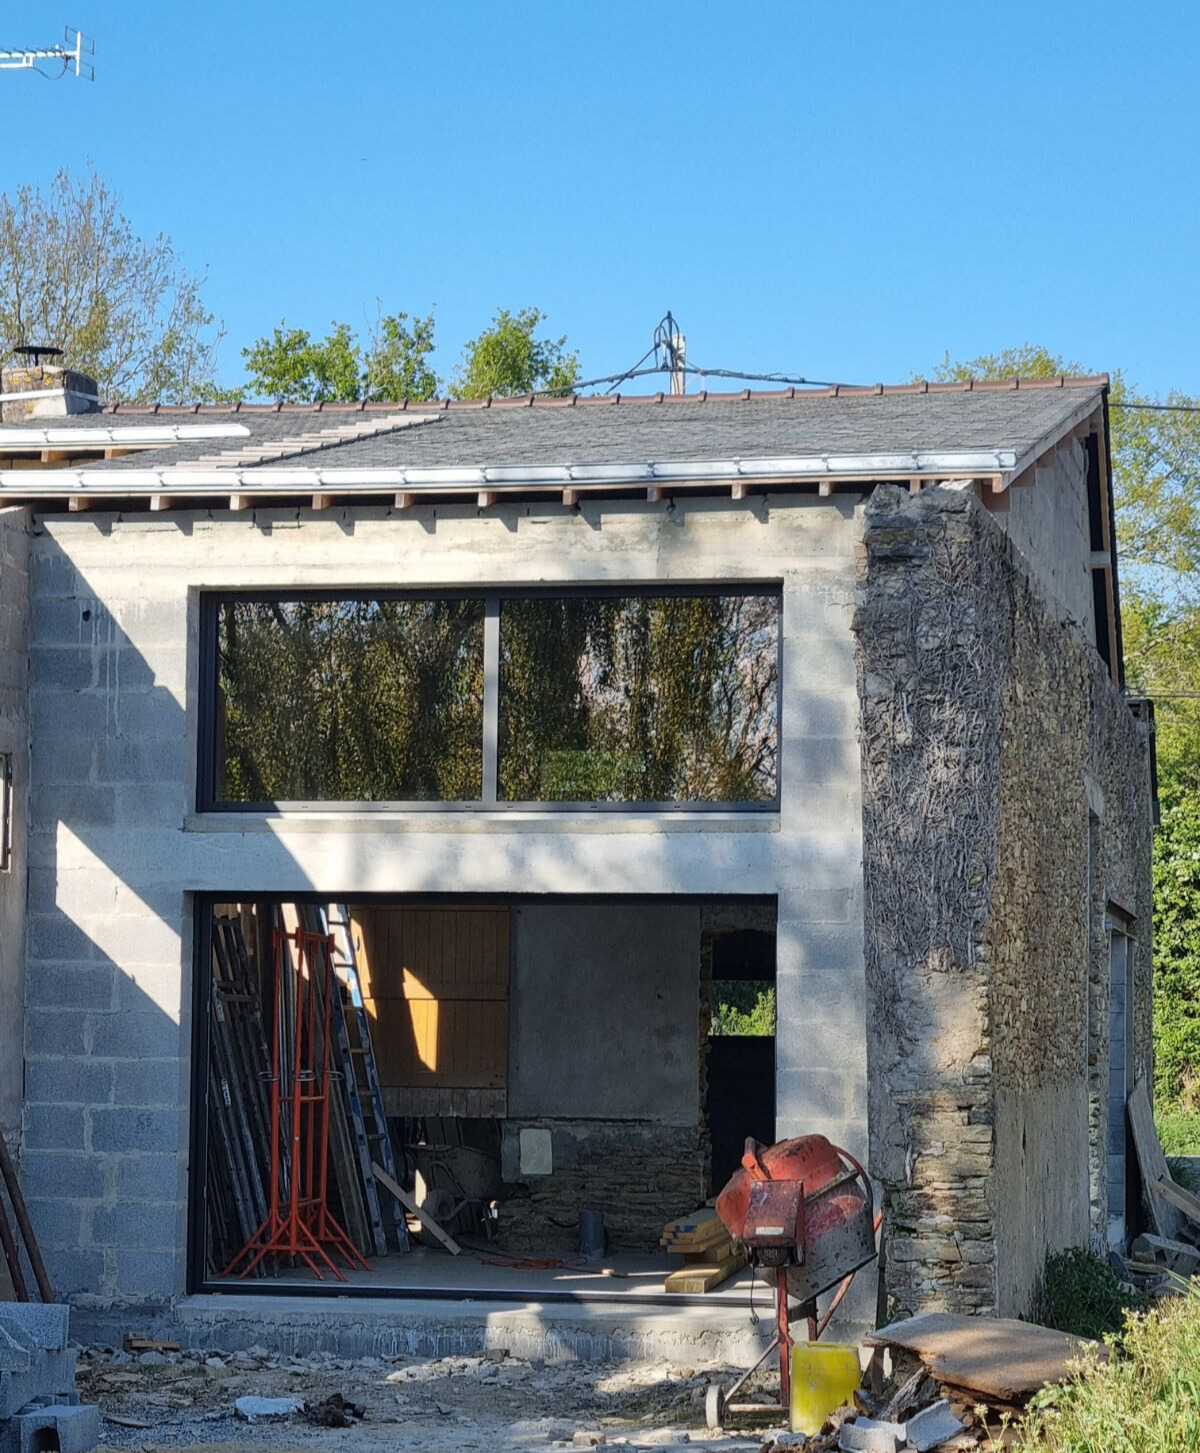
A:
(708, 1252)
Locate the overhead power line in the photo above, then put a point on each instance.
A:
(1157, 408)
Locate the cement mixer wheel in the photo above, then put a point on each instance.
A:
(714, 1406)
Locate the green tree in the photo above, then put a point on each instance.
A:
(294, 367)
(396, 365)
(74, 273)
(1177, 956)
(507, 360)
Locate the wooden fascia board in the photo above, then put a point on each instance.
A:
(1022, 471)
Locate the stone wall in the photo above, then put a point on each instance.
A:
(640, 1175)
(991, 733)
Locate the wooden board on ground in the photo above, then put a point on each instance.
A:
(994, 1357)
(1178, 1197)
(1166, 1219)
(704, 1277)
(409, 1204)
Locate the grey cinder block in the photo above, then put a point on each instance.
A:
(77, 1429)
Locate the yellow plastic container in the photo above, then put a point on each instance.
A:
(824, 1374)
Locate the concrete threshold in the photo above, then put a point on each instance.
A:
(409, 1327)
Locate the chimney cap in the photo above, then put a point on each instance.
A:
(35, 352)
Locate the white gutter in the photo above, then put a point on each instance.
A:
(94, 434)
(266, 480)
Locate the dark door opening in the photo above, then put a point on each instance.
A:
(740, 1094)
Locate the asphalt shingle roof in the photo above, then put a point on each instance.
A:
(942, 419)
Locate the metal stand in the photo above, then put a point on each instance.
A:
(718, 1402)
(299, 1224)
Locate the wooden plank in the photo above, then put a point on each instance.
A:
(1183, 1200)
(697, 1279)
(710, 1234)
(692, 1222)
(410, 1205)
(1166, 1219)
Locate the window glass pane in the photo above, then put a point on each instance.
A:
(639, 699)
(349, 700)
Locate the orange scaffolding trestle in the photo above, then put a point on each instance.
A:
(299, 1224)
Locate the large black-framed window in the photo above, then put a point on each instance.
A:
(651, 698)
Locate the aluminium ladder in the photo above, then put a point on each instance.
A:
(367, 1113)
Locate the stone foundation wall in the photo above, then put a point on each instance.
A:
(639, 1175)
(995, 748)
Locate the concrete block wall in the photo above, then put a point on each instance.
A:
(15, 529)
(1049, 524)
(117, 850)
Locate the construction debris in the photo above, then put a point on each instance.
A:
(335, 1411)
(147, 1344)
(1181, 1199)
(1161, 1254)
(869, 1435)
(267, 1410)
(932, 1425)
(1167, 1219)
(987, 1359)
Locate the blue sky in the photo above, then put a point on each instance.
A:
(843, 191)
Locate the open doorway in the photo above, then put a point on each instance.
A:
(740, 1080)
(527, 1080)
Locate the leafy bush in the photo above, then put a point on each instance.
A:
(1144, 1399)
(1177, 957)
(1082, 1294)
(1179, 1131)
(745, 1006)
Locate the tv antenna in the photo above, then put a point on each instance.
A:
(69, 55)
(670, 352)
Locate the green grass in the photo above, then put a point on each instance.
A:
(1179, 1131)
(1082, 1294)
(1144, 1399)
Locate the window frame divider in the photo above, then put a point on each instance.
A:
(491, 701)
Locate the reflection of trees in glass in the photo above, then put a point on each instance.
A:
(350, 700)
(639, 698)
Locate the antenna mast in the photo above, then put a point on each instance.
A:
(670, 352)
(70, 54)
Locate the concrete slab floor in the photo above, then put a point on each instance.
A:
(430, 1271)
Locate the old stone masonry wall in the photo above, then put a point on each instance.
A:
(1006, 800)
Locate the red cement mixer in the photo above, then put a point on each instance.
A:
(804, 1209)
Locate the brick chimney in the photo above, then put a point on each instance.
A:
(35, 386)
